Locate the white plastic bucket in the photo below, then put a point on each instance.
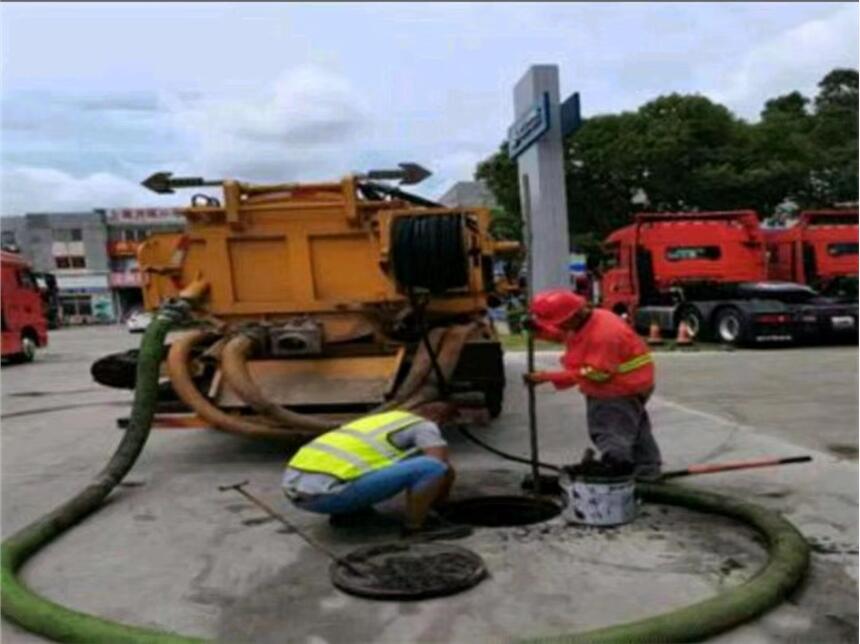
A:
(598, 501)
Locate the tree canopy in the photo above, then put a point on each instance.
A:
(687, 152)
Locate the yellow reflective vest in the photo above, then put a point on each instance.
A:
(356, 448)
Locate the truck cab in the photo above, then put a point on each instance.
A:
(662, 255)
(709, 270)
(819, 250)
(22, 315)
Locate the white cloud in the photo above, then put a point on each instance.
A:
(301, 125)
(795, 59)
(26, 189)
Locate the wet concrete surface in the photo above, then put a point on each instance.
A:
(171, 551)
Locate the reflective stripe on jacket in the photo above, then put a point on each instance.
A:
(356, 448)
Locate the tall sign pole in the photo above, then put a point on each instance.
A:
(535, 140)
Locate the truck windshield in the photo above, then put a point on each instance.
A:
(840, 249)
(679, 253)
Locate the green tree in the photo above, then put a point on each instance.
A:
(780, 154)
(686, 152)
(499, 172)
(834, 135)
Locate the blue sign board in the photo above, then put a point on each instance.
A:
(571, 117)
(529, 127)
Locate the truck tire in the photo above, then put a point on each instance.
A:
(695, 323)
(730, 326)
(28, 350)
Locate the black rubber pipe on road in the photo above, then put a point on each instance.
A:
(42, 616)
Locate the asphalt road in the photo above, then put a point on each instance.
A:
(170, 551)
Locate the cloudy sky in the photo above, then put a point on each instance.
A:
(95, 97)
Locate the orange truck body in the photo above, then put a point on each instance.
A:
(820, 248)
(315, 264)
(710, 271)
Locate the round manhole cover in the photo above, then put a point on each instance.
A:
(500, 511)
(408, 571)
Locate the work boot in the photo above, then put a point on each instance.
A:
(437, 529)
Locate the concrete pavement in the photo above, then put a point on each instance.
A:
(173, 552)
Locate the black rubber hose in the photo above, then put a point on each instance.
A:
(42, 616)
(428, 252)
(505, 455)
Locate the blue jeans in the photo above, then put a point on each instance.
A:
(413, 474)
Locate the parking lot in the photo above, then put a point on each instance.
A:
(171, 551)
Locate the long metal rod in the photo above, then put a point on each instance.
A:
(313, 543)
(530, 340)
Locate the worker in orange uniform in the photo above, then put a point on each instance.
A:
(612, 367)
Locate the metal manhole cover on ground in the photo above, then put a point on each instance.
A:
(399, 571)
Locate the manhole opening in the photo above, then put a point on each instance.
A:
(500, 511)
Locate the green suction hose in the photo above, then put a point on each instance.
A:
(788, 559)
(787, 562)
(39, 615)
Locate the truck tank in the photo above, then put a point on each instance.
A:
(317, 302)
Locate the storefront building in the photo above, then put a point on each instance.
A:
(126, 229)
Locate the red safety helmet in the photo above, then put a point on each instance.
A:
(556, 306)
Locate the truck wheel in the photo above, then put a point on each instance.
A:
(695, 323)
(28, 350)
(118, 370)
(731, 326)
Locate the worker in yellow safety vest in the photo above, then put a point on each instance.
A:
(347, 470)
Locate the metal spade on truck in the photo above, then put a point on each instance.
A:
(709, 270)
(319, 302)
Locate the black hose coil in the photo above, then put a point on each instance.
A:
(429, 252)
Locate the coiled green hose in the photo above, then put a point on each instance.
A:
(788, 559)
(787, 563)
(39, 615)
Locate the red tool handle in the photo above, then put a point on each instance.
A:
(710, 468)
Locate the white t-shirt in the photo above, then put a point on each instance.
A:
(297, 483)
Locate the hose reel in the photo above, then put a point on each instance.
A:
(429, 252)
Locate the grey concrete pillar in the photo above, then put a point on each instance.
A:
(543, 162)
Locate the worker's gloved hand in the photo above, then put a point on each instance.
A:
(534, 378)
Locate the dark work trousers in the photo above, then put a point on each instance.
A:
(620, 429)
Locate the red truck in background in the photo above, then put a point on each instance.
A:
(22, 315)
(709, 269)
(819, 250)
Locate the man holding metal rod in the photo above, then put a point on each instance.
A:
(612, 367)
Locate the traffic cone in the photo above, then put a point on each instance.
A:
(654, 336)
(684, 338)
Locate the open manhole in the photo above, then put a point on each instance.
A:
(500, 511)
(398, 571)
